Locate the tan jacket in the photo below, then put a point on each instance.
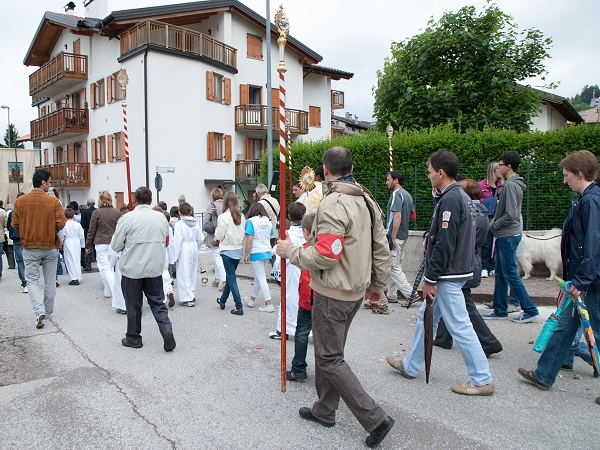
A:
(38, 217)
(346, 253)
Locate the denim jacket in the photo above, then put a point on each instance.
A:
(580, 246)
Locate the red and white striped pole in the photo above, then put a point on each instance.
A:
(289, 157)
(283, 27)
(123, 80)
(390, 132)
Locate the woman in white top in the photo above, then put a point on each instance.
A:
(230, 235)
(258, 252)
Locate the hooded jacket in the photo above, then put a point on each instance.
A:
(481, 232)
(450, 253)
(507, 219)
(347, 251)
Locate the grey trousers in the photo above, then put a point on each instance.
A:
(334, 378)
(31, 260)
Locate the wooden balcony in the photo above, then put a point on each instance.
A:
(69, 174)
(254, 118)
(180, 39)
(60, 124)
(61, 73)
(337, 100)
(247, 170)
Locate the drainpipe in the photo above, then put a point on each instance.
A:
(146, 116)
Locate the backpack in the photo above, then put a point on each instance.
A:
(211, 224)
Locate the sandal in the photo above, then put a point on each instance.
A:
(381, 310)
(406, 303)
(371, 304)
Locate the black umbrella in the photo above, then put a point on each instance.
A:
(428, 335)
(413, 295)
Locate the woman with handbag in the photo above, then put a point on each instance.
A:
(214, 208)
(580, 251)
(230, 236)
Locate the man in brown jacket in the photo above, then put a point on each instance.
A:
(348, 257)
(38, 217)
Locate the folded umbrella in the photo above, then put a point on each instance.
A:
(418, 278)
(428, 335)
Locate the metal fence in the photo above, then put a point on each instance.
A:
(545, 202)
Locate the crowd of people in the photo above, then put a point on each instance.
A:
(341, 253)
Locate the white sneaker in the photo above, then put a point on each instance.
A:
(492, 273)
(249, 302)
(513, 309)
(484, 273)
(24, 289)
(267, 308)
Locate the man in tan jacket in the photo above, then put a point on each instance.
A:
(38, 217)
(348, 257)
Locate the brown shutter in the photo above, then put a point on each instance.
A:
(94, 151)
(54, 155)
(70, 153)
(84, 154)
(275, 98)
(46, 156)
(93, 95)
(111, 157)
(250, 45)
(109, 89)
(248, 158)
(82, 98)
(122, 144)
(227, 147)
(211, 146)
(77, 47)
(210, 92)
(244, 94)
(228, 91)
(317, 117)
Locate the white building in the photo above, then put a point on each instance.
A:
(555, 112)
(196, 98)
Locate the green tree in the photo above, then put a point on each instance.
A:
(462, 70)
(11, 139)
(581, 101)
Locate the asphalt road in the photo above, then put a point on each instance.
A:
(72, 385)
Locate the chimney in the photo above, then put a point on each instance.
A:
(348, 116)
(355, 118)
(70, 9)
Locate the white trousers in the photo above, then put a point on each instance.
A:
(260, 279)
(219, 267)
(398, 281)
(108, 276)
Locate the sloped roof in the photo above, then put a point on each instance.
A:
(335, 74)
(591, 115)
(561, 104)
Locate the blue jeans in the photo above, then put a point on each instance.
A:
(450, 304)
(507, 274)
(579, 348)
(18, 249)
(231, 282)
(303, 327)
(559, 345)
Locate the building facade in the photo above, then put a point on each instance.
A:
(196, 98)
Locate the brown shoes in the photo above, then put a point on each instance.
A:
(529, 376)
(171, 300)
(470, 389)
(397, 364)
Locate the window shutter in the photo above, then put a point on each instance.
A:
(211, 146)
(227, 147)
(122, 145)
(228, 91)
(54, 156)
(275, 98)
(111, 157)
(82, 98)
(46, 156)
(248, 149)
(70, 153)
(314, 113)
(244, 94)
(93, 95)
(77, 47)
(250, 45)
(94, 151)
(84, 154)
(109, 89)
(210, 92)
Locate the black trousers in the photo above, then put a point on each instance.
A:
(489, 342)
(133, 290)
(88, 258)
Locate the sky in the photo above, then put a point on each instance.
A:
(351, 35)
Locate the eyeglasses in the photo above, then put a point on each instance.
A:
(501, 164)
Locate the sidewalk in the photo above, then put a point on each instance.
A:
(540, 291)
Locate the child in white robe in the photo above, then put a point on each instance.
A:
(118, 300)
(73, 241)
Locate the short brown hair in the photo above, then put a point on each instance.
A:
(185, 209)
(471, 188)
(216, 194)
(307, 221)
(296, 211)
(69, 213)
(582, 161)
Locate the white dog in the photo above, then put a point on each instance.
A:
(543, 248)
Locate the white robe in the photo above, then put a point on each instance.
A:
(292, 276)
(118, 300)
(187, 239)
(73, 241)
(166, 276)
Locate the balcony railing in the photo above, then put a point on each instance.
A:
(72, 174)
(53, 126)
(254, 117)
(337, 100)
(247, 170)
(62, 72)
(177, 38)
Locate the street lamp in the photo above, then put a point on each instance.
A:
(10, 144)
(390, 132)
(123, 80)
(283, 27)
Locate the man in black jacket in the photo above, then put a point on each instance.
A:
(86, 217)
(449, 264)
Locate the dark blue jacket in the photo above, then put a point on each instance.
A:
(12, 233)
(580, 246)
